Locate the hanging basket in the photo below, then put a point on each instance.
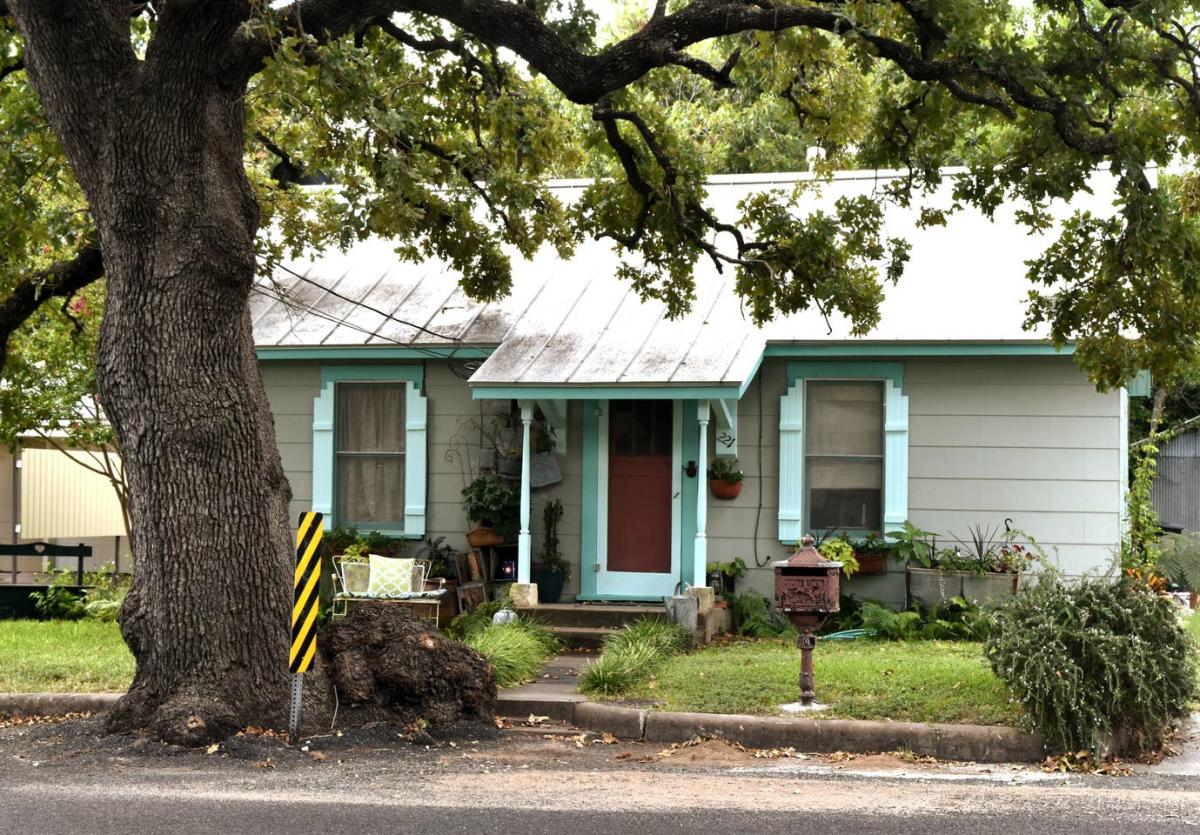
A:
(482, 537)
(722, 489)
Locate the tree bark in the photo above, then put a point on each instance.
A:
(157, 146)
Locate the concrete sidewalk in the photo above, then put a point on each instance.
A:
(554, 695)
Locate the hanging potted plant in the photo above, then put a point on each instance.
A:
(725, 478)
(492, 506)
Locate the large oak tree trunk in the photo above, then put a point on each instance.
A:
(179, 379)
(157, 146)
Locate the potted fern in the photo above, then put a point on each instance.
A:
(492, 506)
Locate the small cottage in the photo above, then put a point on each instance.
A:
(392, 391)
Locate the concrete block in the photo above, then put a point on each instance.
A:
(621, 722)
(705, 596)
(523, 595)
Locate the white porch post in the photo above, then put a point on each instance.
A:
(700, 554)
(524, 538)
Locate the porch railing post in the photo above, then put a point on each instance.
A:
(700, 554)
(524, 540)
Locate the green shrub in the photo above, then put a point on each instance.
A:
(1180, 560)
(632, 655)
(58, 603)
(515, 650)
(662, 635)
(468, 623)
(889, 625)
(617, 671)
(956, 619)
(1094, 658)
(754, 616)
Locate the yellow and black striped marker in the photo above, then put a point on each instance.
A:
(307, 600)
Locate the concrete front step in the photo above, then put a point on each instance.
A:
(582, 637)
(595, 615)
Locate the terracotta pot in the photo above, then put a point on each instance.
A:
(874, 562)
(723, 489)
(481, 537)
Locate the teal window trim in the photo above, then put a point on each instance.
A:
(416, 437)
(585, 392)
(793, 495)
(590, 525)
(909, 349)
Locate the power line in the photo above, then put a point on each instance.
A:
(308, 309)
(365, 306)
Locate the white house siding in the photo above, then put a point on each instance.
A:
(1023, 438)
(293, 386)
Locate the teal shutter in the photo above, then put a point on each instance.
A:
(791, 463)
(415, 455)
(895, 451)
(322, 451)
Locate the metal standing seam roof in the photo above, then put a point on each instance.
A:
(573, 322)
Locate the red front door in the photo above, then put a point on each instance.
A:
(639, 486)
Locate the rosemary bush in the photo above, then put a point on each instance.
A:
(1095, 660)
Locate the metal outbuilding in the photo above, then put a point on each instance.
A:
(1176, 491)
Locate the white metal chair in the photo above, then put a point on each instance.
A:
(353, 583)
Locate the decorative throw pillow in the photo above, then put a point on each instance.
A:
(389, 576)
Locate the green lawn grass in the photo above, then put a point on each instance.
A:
(916, 681)
(63, 657)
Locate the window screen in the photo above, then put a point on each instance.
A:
(843, 455)
(370, 454)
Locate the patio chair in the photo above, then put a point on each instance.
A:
(393, 580)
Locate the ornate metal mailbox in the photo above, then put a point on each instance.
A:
(807, 588)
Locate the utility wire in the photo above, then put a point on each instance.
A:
(364, 305)
(312, 311)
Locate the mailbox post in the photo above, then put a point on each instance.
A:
(807, 588)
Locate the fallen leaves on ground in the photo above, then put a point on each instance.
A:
(756, 753)
(1083, 762)
(16, 721)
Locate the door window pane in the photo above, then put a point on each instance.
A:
(370, 454)
(844, 455)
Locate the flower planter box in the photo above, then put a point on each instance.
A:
(932, 586)
(874, 562)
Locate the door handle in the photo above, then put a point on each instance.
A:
(690, 469)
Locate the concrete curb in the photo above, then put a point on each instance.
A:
(55, 704)
(976, 743)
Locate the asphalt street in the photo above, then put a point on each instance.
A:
(70, 778)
